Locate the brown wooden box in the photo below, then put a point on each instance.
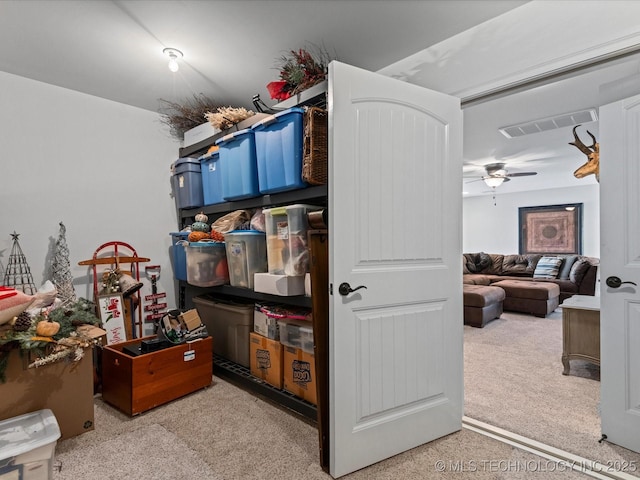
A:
(137, 384)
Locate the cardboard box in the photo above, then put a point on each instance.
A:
(299, 374)
(266, 359)
(64, 387)
(274, 284)
(265, 325)
(191, 319)
(135, 384)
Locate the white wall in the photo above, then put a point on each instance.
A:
(100, 167)
(494, 229)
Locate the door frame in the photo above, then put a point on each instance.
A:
(570, 69)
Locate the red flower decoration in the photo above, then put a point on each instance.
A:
(277, 90)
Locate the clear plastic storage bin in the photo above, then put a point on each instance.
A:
(27, 445)
(296, 333)
(246, 255)
(206, 264)
(286, 229)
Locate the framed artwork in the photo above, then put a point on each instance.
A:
(112, 315)
(551, 229)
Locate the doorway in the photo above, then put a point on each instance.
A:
(553, 162)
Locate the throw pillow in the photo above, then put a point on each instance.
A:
(12, 303)
(579, 270)
(565, 269)
(547, 267)
(477, 262)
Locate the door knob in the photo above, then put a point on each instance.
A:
(345, 288)
(615, 282)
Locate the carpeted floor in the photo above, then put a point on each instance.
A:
(513, 380)
(226, 433)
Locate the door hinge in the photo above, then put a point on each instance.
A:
(331, 289)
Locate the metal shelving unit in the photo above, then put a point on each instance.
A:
(317, 195)
(241, 376)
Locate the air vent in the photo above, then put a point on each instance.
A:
(550, 123)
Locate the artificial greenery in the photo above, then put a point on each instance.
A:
(65, 343)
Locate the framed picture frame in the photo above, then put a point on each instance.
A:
(550, 229)
(112, 315)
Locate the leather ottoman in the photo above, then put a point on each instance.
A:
(535, 298)
(481, 304)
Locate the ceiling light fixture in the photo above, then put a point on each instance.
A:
(493, 182)
(173, 54)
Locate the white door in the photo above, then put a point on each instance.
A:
(395, 203)
(620, 257)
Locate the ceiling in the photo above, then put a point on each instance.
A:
(113, 50)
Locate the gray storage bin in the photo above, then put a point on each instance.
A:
(229, 324)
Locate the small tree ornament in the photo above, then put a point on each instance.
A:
(18, 273)
(61, 269)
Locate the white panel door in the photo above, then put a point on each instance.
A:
(395, 203)
(620, 257)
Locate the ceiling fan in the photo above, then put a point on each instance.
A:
(497, 175)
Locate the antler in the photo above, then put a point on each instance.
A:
(592, 166)
(581, 146)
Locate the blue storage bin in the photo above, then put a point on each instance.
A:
(238, 163)
(187, 183)
(179, 255)
(279, 151)
(211, 169)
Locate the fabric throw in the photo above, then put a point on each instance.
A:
(547, 267)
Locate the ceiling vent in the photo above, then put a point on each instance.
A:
(550, 123)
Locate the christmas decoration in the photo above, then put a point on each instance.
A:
(18, 274)
(50, 335)
(1, 269)
(23, 322)
(299, 70)
(61, 269)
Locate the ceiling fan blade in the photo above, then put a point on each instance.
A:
(521, 174)
(471, 181)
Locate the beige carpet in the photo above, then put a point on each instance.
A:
(242, 437)
(151, 449)
(513, 379)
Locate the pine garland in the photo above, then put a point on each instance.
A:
(67, 343)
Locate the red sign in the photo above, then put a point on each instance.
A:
(154, 296)
(155, 306)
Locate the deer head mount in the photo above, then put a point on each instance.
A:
(592, 166)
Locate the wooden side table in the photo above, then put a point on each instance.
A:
(580, 330)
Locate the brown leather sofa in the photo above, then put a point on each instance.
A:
(576, 273)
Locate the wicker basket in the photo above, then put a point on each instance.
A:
(315, 146)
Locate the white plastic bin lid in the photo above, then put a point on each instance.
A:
(27, 432)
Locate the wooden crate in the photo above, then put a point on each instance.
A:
(135, 384)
